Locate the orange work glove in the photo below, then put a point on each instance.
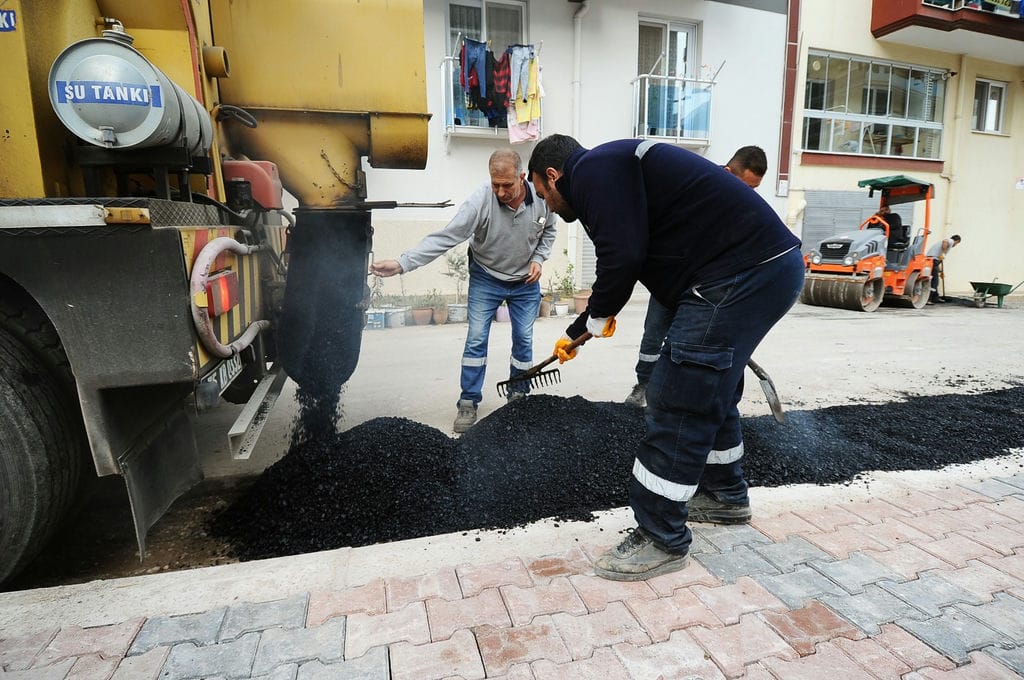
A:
(601, 327)
(560, 351)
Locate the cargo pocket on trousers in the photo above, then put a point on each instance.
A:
(694, 377)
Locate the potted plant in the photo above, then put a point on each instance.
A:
(422, 311)
(458, 270)
(435, 300)
(566, 285)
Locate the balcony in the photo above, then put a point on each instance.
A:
(672, 109)
(991, 30)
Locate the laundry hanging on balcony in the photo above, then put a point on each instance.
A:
(525, 93)
(477, 76)
(507, 90)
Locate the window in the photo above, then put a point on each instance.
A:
(989, 100)
(866, 107)
(670, 100)
(499, 23)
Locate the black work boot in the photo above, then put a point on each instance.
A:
(704, 507)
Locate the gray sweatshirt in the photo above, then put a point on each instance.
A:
(504, 241)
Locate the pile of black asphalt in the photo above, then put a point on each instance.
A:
(565, 458)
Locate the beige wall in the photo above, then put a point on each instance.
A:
(975, 192)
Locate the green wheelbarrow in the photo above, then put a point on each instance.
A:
(986, 289)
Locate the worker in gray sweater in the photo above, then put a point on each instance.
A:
(510, 232)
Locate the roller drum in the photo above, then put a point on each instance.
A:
(842, 292)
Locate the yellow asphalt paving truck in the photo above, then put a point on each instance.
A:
(884, 260)
(146, 263)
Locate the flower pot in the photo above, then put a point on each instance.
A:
(458, 313)
(545, 308)
(395, 317)
(374, 318)
(440, 315)
(561, 309)
(502, 314)
(422, 316)
(580, 300)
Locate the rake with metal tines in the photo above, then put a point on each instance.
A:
(537, 377)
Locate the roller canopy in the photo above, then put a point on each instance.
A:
(897, 189)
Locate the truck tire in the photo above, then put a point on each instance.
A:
(38, 479)
(43, 447)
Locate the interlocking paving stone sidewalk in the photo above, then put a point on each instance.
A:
(933, 588)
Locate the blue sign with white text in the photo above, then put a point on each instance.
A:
(8, 20)
(100, 92)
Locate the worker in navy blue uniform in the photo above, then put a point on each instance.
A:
(714, 252)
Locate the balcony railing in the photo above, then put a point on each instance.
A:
(1004, 7)
(672, 108)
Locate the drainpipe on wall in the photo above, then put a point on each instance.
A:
(577, 58)
(950, 172)
(786, 132)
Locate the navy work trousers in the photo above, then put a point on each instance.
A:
(693, 435)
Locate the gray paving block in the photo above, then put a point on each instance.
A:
(287, 672)
(1005, 613)
(856, 571)
(225, 659)
(280, 646)
(991, 488)
(701, 545)
(370, 666)
(1011, 658)
(200, 629)
(730, 565)
(791, 553)
(930, 594)
(955, 634)
(870, 609)
(1015, 480)
(728, 537)
(248, 617)
(797, 587)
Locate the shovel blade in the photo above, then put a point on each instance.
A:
(773, 401)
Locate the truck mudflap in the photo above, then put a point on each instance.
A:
(158, 469)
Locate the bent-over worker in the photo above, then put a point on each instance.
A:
(718, 256)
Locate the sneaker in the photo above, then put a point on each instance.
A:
(638, 397)
(704, 507)
(512, 396)
(637, 558)
(466, 417)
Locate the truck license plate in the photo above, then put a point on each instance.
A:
(228, 370)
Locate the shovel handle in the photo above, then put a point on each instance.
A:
(758, 371)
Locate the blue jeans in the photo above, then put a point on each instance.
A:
(693, 435)
(476, 58)
(656, 324)
(486, 294)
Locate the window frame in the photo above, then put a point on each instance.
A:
(981, 105)
(450, 64)
(659, 90)
(884, 134)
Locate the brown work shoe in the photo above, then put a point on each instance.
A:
(466, 417)
(637, 558)
(704, 507)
